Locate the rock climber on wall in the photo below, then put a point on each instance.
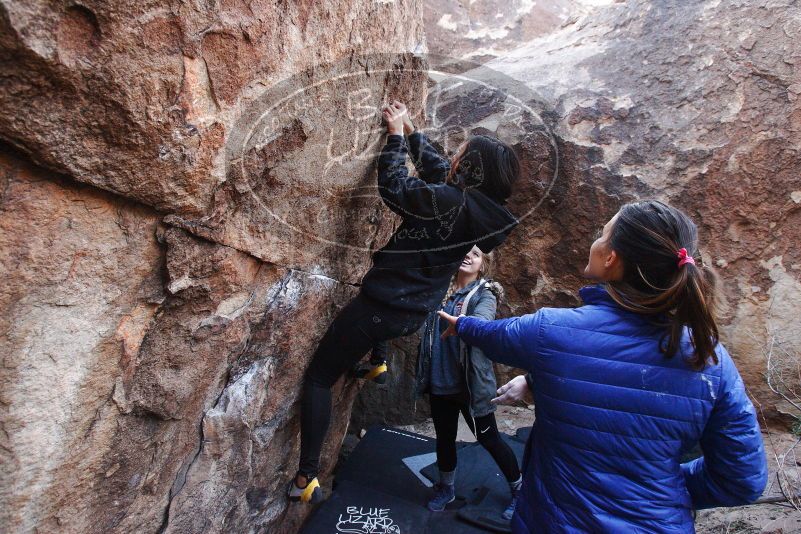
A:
(449, 207)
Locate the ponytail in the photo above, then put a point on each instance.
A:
(664, 277)
(696, 308)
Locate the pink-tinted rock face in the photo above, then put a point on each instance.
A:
(139, 98)
(481, 30)
(172, 255)
(697, 106)
(146, 371)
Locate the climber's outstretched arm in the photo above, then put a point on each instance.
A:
(432, 166)
(408, 196)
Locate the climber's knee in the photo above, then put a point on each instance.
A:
(317, 377)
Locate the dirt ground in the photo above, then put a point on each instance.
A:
(768, 518)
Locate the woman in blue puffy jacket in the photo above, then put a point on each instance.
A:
(625, 385)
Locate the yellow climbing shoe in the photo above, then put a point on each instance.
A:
(312, 493)
(377, 372)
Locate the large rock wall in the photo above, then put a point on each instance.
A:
(482, 30)
(158, 310)
(696, 103)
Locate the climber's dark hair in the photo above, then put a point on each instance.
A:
(647, 237)
(487, 164)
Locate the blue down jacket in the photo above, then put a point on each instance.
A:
(613, 418)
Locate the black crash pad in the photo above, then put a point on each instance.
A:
(488, 519)
(377, 462)
(357, 509)
(375, 491)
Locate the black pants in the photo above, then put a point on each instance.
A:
(445, 413)
(360, 325)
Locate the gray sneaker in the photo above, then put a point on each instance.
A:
(443, 494)
(510, 510)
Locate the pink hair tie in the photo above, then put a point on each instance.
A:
(684, 258)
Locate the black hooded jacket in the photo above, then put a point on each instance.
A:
(441, 223)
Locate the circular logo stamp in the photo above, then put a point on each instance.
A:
(306, 151)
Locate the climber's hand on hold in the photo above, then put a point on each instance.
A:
(514, 391)
(408, 125)
(451, 330)
(393, 117)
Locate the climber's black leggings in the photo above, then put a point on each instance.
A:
(445, 413)
(359, 326)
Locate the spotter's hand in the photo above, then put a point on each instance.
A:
(451, 330)
(513, 392)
